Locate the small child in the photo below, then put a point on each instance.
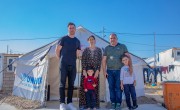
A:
(128, 82)
(89, 87)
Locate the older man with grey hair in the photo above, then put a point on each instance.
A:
(111, 69)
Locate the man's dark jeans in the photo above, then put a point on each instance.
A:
(114, 86)
(70, 72)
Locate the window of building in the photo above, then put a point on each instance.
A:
(178, 53)
(10, 68)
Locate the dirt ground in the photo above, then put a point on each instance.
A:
(153, 95)
(18, 102)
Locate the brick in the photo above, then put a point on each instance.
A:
(6, 78)
(8, 82)
(7, 75)
(5, 85)
(12, 78)
(9, 89)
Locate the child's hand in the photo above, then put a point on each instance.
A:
(134, 83)
(94, 85)
(85, 74)
(85, 90)
(122, 87)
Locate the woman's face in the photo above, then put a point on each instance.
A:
(91, 40)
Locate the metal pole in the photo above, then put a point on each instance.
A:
(154, 76)
(7, 49)
(47, 83)
(103, 32)
(154, 49)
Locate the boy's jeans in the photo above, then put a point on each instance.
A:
(90, 98)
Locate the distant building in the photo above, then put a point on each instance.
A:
(167, 64)
(7, 72)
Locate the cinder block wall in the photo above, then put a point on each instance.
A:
(8, 78)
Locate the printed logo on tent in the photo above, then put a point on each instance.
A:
(30, 81)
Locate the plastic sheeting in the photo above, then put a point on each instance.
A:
(30, 81)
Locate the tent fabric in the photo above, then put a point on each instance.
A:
(30, 81)
(33, 58)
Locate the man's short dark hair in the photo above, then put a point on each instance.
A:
(71, 23)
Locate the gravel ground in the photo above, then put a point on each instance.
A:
(18, 102)
(22, 103)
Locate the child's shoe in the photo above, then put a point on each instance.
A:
(135, 104)
(134, 107)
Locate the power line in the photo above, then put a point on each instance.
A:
(145, 50)
(143, 44)
(27, 39)
(138, 34)
(104, 35)
(58, 37)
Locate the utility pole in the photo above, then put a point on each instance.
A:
(103, 32)
(154, 76)
(154, 49)
(7, 49)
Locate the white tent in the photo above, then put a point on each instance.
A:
(36, 68)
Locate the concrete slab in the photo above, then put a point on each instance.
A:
(5, 106)
(148, 107)
(54, 105)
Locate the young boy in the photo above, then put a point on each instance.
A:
(89, 87)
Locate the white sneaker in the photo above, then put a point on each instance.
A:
(71, 106)
(62, 106)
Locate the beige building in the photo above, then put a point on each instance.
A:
(7, 72)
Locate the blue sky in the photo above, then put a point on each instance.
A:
(25, 19)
